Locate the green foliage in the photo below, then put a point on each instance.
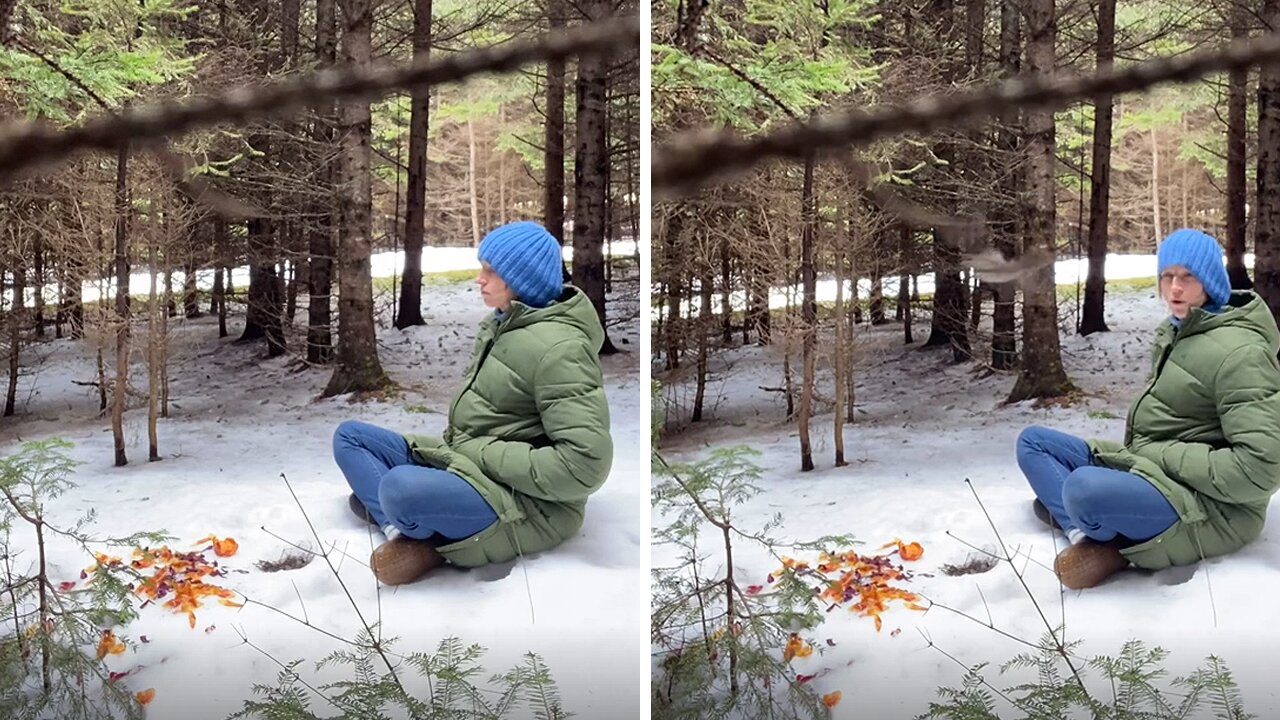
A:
(95, 56)
(788, 53)
(454, 688)
(49, 665)
(720, 648)
(1136, 680)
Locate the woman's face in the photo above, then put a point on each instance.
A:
(1181, 291)
(495, 293)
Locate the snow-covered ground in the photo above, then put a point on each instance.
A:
(925, 426)
(240, 421)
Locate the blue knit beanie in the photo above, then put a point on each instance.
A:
(1201, 255)
(527, 258)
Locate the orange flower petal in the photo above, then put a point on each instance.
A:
(225, 548)
(831, 699)
(911, 551)
(145, 696)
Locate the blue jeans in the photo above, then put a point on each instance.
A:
(419, 501)
(1101, 502)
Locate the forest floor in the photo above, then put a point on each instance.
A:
(924, 426)
(239, 422)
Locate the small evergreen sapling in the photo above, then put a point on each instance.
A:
(51, 636)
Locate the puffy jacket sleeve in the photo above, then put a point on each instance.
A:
(568, 390)
(1247, 469)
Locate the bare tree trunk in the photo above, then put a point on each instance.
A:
(1004, 343)
(153, 385)
(1093, 317)
(410, 310)
(590, 174)
(704, 327)
(357, 367)
(1042, 374)
(220, 302)
(162, 350)
(290, 268)
(502, 169)
(320, 241)
(904, 285)
(190, 295)
(122, 304)
(851, 318)
(1266, 269)
(1237, 127)
(37, 288)
(726, 292)
(1157, 226)
(74, 297)
(808, 308)
(875, 300)
(674, 325)
(60, 315)
(170, 306)
(553, 177)
(842, 348)
(471, 183)
(17, 314)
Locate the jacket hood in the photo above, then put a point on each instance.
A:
(573, 308)
(1245, 310)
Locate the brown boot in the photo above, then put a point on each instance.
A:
(1087, 563)
(1040, 510)
(404, 560)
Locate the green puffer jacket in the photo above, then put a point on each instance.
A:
(1206, 431)
(529, 429)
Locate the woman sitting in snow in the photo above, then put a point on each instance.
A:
(528, 435)
(1201, 452)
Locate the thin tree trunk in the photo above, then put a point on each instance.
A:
(471, 183)
(704, 327)
(848, 268)
(808, 308)
(60, 315)
(875, 301)
(75, 297)
(291, 291)
(553, 174)
(1093, 318)
(320, 240)
(162, 350)
(16, 315)
(190, 295)
(590, 174)
(153, 385)
(1266, 268)
(410, 310)
(1157, 226)
(357, 367)
(122, 304)
(37, 288)
(726, 291)
(1237, 126)
(1004, 343)
(841, 348)
(904, 285)
(674, 326)
(502, 169)
(220, 302)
